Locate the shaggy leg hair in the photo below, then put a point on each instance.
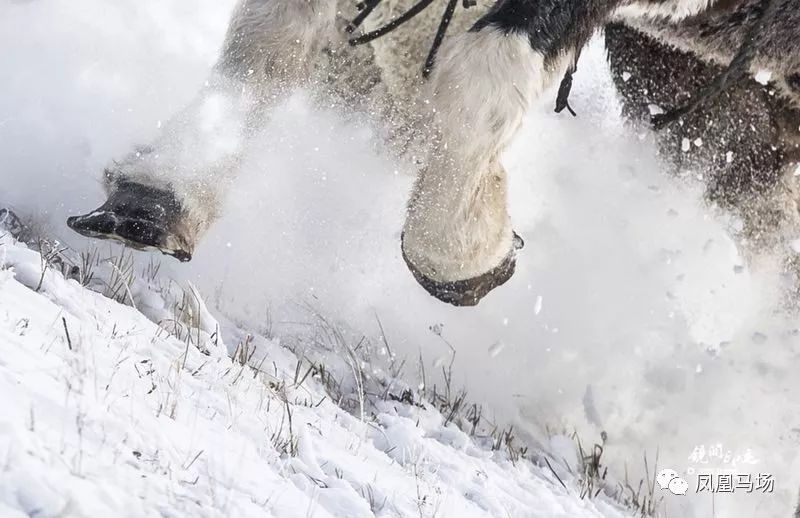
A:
(746, 169)
(458, 240)
(166, 195)
(715, 34)
(457, 227)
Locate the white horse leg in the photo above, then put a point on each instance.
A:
(166, 195)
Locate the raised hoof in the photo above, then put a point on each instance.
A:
(137, 216)
(468, 292)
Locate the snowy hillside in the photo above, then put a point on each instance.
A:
(632, 315)
(105, 414)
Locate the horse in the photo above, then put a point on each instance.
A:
(454, 86)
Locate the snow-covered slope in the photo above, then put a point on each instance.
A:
(631, 312)
(105, 414)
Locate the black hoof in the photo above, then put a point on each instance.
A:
(468, 292)
(138, 216)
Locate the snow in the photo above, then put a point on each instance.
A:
(641, 282)
(763, 76)
(107, 415)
